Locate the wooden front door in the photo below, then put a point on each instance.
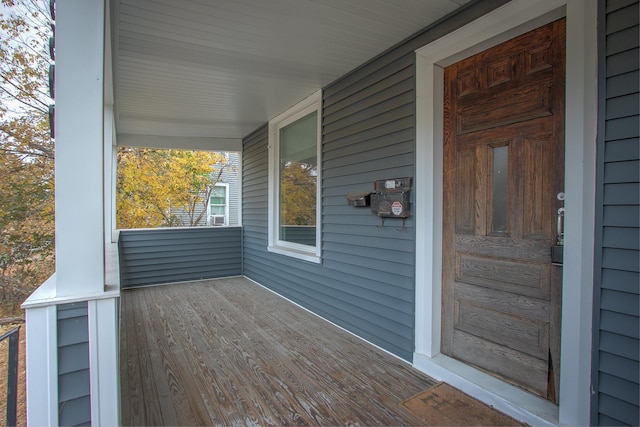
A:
(503, 169)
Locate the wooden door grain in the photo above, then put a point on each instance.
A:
(503, 167)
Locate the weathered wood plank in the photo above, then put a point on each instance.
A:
(229, 352)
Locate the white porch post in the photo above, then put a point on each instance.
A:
(79, 147)
(83, 150)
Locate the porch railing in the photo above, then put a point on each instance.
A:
(164, 255)
(12, 374)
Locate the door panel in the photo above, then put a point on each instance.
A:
(502, 361)
(503, 275)
(503, 166)
(530, 338)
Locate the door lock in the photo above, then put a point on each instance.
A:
(560, 227)
(557, 250)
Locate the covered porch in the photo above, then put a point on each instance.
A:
(227, 351)
(230, 352)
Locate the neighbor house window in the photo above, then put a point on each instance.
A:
(219, 205)
(294, 181)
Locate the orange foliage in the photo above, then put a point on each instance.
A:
(154, 185)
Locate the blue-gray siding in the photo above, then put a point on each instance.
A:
(73, 365)
(164, 255)
(616, 374)
(365, 282)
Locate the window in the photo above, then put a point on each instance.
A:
(294, 180)
(218, 205)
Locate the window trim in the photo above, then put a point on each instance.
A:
(296, 250)
(226, 204)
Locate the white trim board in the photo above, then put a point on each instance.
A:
(42, 366)
(506, 22)
(312, 103)
(179, 142)
(102, 318)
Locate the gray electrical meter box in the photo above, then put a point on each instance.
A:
(390, 198)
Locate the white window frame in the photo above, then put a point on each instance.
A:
(298, 111)
(226, 204)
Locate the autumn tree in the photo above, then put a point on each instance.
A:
(298, 193)
(165, 188)
(26, 149)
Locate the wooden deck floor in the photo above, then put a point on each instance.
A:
(228, 352)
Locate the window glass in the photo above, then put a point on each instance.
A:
(298, 179)
(218, 195)
(218, 200)
(217, 210)
(294, 181)
(500, 189)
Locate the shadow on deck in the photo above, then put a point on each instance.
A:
(229, 352)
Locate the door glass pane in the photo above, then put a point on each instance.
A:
(500, 189)
(298, 181)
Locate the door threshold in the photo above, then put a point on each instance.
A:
(503, 396)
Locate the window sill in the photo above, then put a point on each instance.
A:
(310, 255)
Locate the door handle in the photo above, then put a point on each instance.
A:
(557, 250)
(560, 226)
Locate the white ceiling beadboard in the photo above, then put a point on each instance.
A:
(222, 68)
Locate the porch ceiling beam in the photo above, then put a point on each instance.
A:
(178, 142)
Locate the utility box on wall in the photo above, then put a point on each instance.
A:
(360, 200)
(390, 198)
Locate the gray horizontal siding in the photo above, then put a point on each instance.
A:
(365, 282)
(616, 373)
(149, 257)
(350, 287)
(73, 365)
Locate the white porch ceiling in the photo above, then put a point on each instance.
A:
(221, 68)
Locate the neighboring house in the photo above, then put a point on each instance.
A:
(465, 288)
(223, 207)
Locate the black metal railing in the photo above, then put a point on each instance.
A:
(12, 374)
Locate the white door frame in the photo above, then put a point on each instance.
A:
(506, 22)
